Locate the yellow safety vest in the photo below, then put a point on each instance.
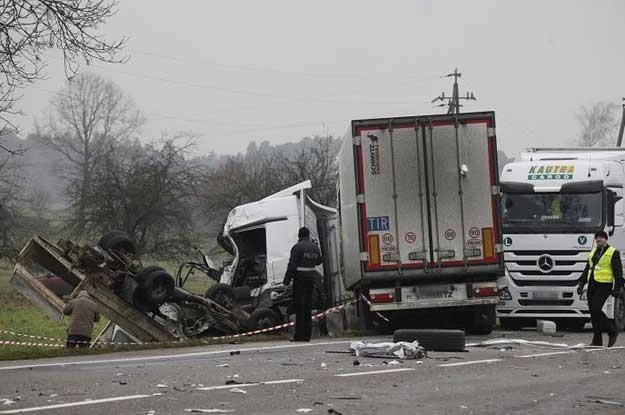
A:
(603, 269)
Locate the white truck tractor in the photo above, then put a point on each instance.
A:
(553, 201)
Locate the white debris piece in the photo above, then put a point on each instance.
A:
(224, 365)
(401, 350)
(546, 327)
(150, 412)
(161, 385)
(323, 365)
(6, 401)
(238, 390)
(304, 410)
(210, 411)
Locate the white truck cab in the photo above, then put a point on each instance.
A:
(553, 201)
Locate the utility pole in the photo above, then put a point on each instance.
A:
(619, 141)
(454, 101)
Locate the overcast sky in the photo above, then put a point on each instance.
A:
(235, 71)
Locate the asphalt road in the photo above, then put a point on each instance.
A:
(286, 378)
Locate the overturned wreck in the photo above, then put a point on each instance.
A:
(143, 301)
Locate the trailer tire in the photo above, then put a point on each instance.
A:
(155, 286)
(117, 241)
(483, 321)
(222, 294)
(512, 324)
(436, 340)
(263, 318)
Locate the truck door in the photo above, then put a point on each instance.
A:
(428, 193)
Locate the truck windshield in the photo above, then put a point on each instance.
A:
(559, 212)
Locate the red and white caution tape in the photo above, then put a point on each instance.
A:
(61, 342)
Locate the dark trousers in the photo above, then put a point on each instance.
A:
(302, 299)
(598, 293)
(76, 340)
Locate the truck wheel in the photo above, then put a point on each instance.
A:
(222, 294)
(572, 324)
(117, 241)
(436, 340)
(263, 318)
(512, 324)
(483, 321)
(619, 313)
(156, 286)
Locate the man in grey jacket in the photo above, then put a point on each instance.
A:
(84, 313)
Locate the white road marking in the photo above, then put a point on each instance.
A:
(472, 362)
(79, 403)
(244, 385)
(373, 372)
(171, 356)
(545, 354)
(605, 349)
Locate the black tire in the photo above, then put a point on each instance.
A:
(483, 321)
(222, 294)
(571, 324)
(118, 241)
(263, 318)
(436, 340)
(513, 324)
(155, 287)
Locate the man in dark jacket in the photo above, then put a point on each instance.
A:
(604, 274)
(305, 256)
(84, 313)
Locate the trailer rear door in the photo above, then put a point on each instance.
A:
(426, 187)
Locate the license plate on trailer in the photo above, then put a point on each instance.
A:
(545, 295)
(451, 291)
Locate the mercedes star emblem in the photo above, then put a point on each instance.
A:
(545, 263)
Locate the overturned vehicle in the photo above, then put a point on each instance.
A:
(144, 302)
(259, 237)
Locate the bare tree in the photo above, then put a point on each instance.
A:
(28, 28)
(10, 180)
(598, 125)
(146, 191)
(314, 160)
(89, 117)
(242, 179)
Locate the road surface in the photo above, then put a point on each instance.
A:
(291, 378)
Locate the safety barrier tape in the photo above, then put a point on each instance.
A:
(61, 342)
(16, 343)
(366, 300)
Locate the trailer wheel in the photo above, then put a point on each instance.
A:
(483, 321)
(512, 324)
(222, 294)
(263, 318)
(436, 340)
(117, 241)
(155, 285)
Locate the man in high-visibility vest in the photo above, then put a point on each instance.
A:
(604, 274)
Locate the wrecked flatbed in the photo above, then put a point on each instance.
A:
(115, 282)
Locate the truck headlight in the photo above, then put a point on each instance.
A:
(504, 294)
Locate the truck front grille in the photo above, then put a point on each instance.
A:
(546, 302)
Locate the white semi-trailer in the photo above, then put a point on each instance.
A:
(553, 202)
(419, 216)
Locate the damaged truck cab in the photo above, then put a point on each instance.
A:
(259, 236)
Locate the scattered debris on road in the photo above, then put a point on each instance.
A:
(605, 401)
(238, 390)
(401, 350)
(334, 412)
(210, 411)
(304, 410)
